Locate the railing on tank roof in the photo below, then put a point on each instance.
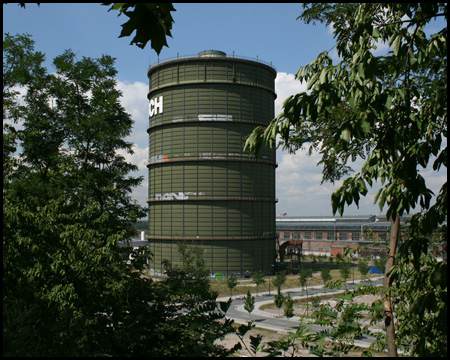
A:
(198, 56)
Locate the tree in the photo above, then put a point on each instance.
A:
(345, 271)
(280, 279)
(325, 275)
(363, 267)
(304, 275)
(232, 282)
(67, 215)
(249, 304)
(194, 319)
(390, 110)
(279, 299)
(380, 264)
(66, 206)
(258, 279)
(289, 308)
(189, 282)
(315, 302)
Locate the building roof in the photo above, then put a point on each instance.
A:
(335, 223)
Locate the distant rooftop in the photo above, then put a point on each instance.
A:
(347, 218)
(365, 218)
(349, 222)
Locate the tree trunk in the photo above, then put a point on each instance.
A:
(388, 312)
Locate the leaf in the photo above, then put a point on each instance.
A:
(375, 33)
(152, 22)
(388, 102)
(362, 188)
(313, 80)
(345, 135)
(255, 341)
(361, 70)
(323, 76)
(335, 200)
(396, 44)
(365, 126)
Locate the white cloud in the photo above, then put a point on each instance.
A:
(286, 85)
(297, 177)
(134, 100)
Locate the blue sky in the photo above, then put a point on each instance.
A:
(267, 31)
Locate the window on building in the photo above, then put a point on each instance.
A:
(342, 236)
(330, 235)
(318, 235)
(307, 235)
(355, 236)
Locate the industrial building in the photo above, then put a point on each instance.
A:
(204, 190)
(332, 235)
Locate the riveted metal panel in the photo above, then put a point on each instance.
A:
(203, 188)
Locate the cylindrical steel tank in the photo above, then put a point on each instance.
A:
(203, 188)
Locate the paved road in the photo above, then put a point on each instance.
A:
(268, 320)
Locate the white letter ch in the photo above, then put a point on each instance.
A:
(155, 106)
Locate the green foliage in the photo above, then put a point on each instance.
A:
(304, 275)
(194, 320)
(290, 344)
(66, 208)
(232, 282)
(69, 285)
(258, 279)
(141, 225)
(189, 282)
(315, 302)
(280, 279)
(249, 304)
(390, 110)
(380, 264)
(289, 307)
(63, 292)
(345, 321)
(420, 286)
(279, 299)
(152, 22)
(345, 271)
(255, 341)
(325, 275)
(363, 267)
